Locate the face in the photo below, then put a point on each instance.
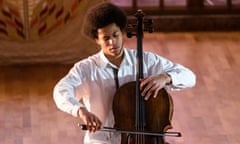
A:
(110, 39)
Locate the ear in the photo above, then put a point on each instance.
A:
(97, 41)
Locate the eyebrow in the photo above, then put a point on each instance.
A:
(107, 35)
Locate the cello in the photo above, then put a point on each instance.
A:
(131, 111)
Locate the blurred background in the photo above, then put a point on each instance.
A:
(40, 40)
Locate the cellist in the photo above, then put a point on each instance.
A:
(87, 90)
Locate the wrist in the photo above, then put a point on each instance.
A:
(81, 111)
(168, 79)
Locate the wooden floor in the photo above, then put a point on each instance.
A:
(205, 114)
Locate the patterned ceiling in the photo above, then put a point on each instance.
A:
(34, 19)
(44, 31)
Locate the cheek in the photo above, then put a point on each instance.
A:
(102, 43)
(120, 40)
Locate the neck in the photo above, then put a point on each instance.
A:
(116, 60)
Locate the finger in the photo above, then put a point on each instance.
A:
(146, 89)
(146, 85)
(147, 96)
(99, 124)
(95, 124)
(144, 82)
(151, 86)
(150, 92)
(156, 93)
(93, 129)
(90, 123)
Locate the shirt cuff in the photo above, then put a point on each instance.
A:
(175, 82)
(173, 77)
(75, 110)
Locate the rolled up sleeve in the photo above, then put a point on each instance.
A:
(64, 94)
(182, 78)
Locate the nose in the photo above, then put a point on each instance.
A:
(111, 41)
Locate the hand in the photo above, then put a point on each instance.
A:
(150, 86)
(92, 122)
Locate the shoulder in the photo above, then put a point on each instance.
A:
(87, 64)
(153, 56)
(147, 55)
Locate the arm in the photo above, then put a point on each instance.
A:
(67, 101)
(165, 74)
(64, 93)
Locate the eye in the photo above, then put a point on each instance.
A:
(106, 38)
(116, 34)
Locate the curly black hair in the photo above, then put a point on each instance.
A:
(103, 15)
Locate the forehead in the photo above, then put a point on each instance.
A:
(108, 30)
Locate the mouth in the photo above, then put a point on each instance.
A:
(114, 49)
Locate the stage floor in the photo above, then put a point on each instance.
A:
(205, 114)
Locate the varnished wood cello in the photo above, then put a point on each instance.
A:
(132, 112)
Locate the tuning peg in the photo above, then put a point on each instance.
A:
(148, 25)
(130, 34)
(148, 21)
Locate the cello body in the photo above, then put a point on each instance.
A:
(158, 115)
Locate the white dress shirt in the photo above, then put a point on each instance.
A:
(91, 81)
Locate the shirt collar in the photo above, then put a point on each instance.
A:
(103, 62)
